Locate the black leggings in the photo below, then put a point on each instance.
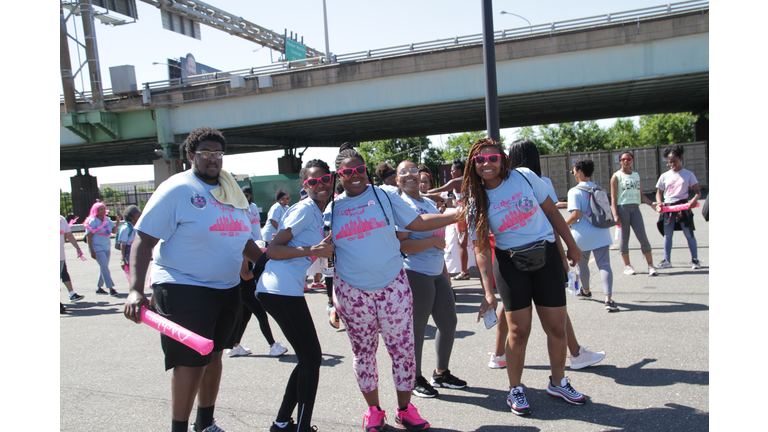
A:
(252, 305)
(294, 319)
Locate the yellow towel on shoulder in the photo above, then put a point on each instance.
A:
(228, 191)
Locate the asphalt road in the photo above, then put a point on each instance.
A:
(655, 375)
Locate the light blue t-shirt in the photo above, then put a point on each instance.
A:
(429, 261)
(201, 240)
(552, 193)
(100, 240)
(588, 237)
(287, 277)
(367, 249)
(126, 234)
(275, 213)
(253, 216)
(514, 213)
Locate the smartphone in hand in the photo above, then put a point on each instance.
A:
(490, 318)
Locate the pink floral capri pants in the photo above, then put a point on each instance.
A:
(364, 313)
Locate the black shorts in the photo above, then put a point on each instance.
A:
(546, 286)
(211, 313)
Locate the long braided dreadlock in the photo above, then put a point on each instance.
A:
(475, 211)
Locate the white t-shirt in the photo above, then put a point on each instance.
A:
(286, 277)
(63, 229)
(126, 234)
(367, 249)
(514, 213)
(253, 216)
(552, 193)
(587, 236)
(201, 240)
(276, 213)
(675, 185)
(430, 261)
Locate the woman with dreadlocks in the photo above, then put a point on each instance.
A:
(370, 287)
(280, 291)
(514, 205)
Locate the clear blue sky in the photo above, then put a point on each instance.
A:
(352, 26)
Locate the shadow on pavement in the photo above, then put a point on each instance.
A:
(652, 306)
(432, 332)
(637, 375)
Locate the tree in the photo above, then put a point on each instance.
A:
(529, 132)
(663, 129)
(394, 151)
(574, 137)
(623, 134)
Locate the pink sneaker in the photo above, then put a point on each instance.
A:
(410, 419)
(374, 420)
(318, 285)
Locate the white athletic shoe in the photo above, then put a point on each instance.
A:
(498, 362)
(238, 351)
(586, 358)
(628, 270)
(652, 271)
(277, 350)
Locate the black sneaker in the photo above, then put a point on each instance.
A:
(447, 380)
(290, 427)
(423, 389)
(76, 297)
(584, 294)
(610, 306)
(113, 293)
(101, 291)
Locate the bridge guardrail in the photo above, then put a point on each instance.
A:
(538, 30)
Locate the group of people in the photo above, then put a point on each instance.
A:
(195, 241)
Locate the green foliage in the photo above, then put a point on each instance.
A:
(574, 137)
(623, 134)
(457, 146)
(394, 151)
(664, 129)
(529, 132)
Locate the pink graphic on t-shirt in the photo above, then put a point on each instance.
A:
(674, 186)
(228, 226)
(440, 232)
(359, 228)
(514, 219)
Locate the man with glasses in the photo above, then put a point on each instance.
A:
(197, 224)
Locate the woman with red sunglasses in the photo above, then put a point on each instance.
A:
(515, 206)
(626, 197)
(371, 293)
(280, 290)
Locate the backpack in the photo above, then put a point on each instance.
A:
(118, 244)
(602, 216)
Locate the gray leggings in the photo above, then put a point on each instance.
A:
(433, 295)
(602, 258)
(630, 216)
(102, 257)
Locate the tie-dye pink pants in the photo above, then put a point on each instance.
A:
(364, 313)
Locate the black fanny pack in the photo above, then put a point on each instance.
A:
(529, 258)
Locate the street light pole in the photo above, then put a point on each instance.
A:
(327, 49)
(489, 61)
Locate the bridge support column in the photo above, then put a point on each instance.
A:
(165, 168)
(85, 191)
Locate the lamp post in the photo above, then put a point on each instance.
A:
(489, 61)
(514, 14)
(325, 20)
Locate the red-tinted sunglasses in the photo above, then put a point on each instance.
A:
(493, 158)
(313, 182)
(626, 158)
(348, 172)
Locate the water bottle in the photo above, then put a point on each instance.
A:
(327, 230)
(573, 281)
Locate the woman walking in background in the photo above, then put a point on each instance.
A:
(99, 228)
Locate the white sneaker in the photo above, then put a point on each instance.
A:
(277, 350)
(695, 264)
(664, 264)
(586, 358)
(238, 351)
(628, 270)
(652, 271)
(498, 362)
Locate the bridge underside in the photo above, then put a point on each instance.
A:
(666, 94)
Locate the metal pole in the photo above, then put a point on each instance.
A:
(67, 81)
(92, 54)
(325, 20)
(489, 60)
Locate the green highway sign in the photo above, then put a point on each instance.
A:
(294, 50)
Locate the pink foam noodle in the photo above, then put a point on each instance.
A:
(679, 207)
(127, 273)
(171, 329)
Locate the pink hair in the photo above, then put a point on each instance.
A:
(95, 211)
